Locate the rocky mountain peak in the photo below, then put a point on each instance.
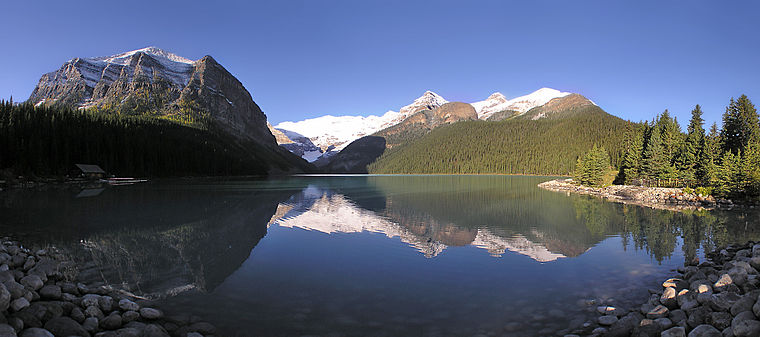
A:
(428, 101)
(189, 90)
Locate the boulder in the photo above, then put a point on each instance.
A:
(674, 332)
(35, 332)
(65, 326)
(705, 330)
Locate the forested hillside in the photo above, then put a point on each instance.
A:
(48, 141)
(515, 146)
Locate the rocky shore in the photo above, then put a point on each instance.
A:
(673, 199)
(718, 297)
(39, 297)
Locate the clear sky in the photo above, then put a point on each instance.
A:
(303, 59)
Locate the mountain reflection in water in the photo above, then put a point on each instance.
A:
(203, 241)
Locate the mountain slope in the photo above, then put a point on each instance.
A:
(498, 103)
(338, 131)
(515, 146)
(424, 121)
(159, 83)
(150, 83)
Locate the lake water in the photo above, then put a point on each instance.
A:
(370, 255)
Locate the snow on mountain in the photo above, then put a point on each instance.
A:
(497, 102)
(174, 68)
(339, 131)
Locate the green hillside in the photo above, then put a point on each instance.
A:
(515, 146)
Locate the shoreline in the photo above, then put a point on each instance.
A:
(671, 199)
(40, 296)
(718, 297)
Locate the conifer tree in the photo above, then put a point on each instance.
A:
(630, 168)
(690, 163)
(740, 125)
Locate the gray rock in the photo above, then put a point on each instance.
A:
(664, 323)
(675, 283)
(677, 315)
(129, 332)
(106, 303)
(112, 322)
(16, 323)
(723, 282)
(697, 316)
(756, 309)
(5, 298)
(204, 328)
(32, 282)
(16, 289)
(687, 300)
(720, 320)
(90, 324)
(69, 288)
(659, 311)
(150, 313)
(154, 330)
(35, 332)
(745, 303)
(625, 325)
(90, 300)
(705, 330)
(50, 292)
(129, 316)
(755, 262)
(128, 305)
(728, 332)
(195, 334)
(77, 314)
(723, 301)
(65, 326)
(674, 332)
(647, 327)
(738, 275)
(746, 328)
(743, 316)
(7, 330)
(668, 298)
(45, 267)
(19, 303)
(607, 319)
(93, 311)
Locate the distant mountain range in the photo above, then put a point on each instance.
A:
(420, 137)
(333, 133)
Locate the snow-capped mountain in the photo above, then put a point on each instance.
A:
(151, 80)
(497, 102)
(338, 131)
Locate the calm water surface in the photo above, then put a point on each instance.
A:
(369, 255)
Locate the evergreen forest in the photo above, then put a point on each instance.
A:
(47, 142)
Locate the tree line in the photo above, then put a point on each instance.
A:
(725, 161)
(543, 146)
(48, 141)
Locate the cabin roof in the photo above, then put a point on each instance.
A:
(85, 168)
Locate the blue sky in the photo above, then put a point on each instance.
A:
(302, 59)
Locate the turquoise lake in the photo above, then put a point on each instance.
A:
(370, 255)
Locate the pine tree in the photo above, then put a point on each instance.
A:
(654, 161)
(630, 168)
(728, 177)
(689, 162)
(591, 169)
(740, 125)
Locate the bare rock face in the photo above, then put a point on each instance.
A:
(453, 112)
(151, 80)
(560, 107)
